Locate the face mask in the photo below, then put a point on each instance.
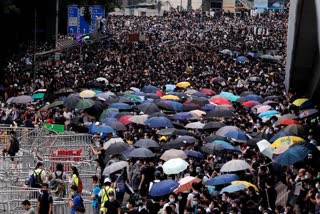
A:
(306, 177)
(260, 208)
(179, 197)
(317, 185)
(194, 203)
(72, 193)
(171, 199)
(111, 198)
(127, 206)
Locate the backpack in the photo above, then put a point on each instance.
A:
(15, 145)
(59, 185)
(35, 179)
(80, 208)
(80, 186)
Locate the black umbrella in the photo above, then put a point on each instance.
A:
(72, 100)
(295, 129)
(158, 114)
(212, 138)
(116, 148)
(245, 93)
(219, 113)
(177, 125)
(190, 107)
(213, 125)
(211, 148)
(116, 125)
(273, 97)
(152, 96)
(96, 109)
(148, 108)
(111, 101)
(173, 145)
(174, 131)
(185, 139)
(141, 153)
(198, 100)
(146, 143)
(64, 91)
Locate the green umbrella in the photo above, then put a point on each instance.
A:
(38, 96)
(107, 112)
(84, 104)
(133, 97)
(54, 104)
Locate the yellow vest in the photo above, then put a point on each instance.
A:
(76, 179)
(105, 198)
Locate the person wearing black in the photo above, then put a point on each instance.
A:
(12, 147)
(112, 205)
(44, 201)
(131, 207)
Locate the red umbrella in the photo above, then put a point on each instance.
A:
(250, 103)
(220, 101)
(208, 91)
(125, 119)
(159, 93)
(288, 122)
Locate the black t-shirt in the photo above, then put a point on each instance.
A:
(112, 206)
(133, 211)
(45, 200)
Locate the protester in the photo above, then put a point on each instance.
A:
(27, 207)
(45, 201)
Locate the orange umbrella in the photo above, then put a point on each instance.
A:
(288, 122)
(186, 184)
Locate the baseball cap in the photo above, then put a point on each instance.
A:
(107, 180)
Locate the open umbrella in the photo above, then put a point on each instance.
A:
(146, 143)
(241, 59)
(262, 108)
(194, 154)
(295, 129)
(182, 116)
(87, 94)
(116, 148)
(174, 166)
(214, 125)
(226, 52)
(116, 166)
(173, 131)
(286, 140)
(106, 95)
(222, 179)
(138, 119)
(220, 101)
(293, 155)
(54, 104)
(112, 141)
(22, 99)
(219, 113)
(150, 89)
(117, 126)
(148, 108)
(185, 139)
(72, 100)
(195, 125)
(158, 122)
(300, 101)
(101, 129)
(233, 188)
(120, 106)
(308, 113)
(247, 184)
(185, 184)
(141, 153)
(278, 135)
(222, 131)
(229, 96)
(211, 148)
(237, 136)
(235, 165)
(226, 145)
(183, 84)
(163, 188)
(207, 91)
(125, 119)
(84, 104)
(170, 97)
(170, 87)
(265, 148)
(173, 153)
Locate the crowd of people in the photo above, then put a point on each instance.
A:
(189, 47)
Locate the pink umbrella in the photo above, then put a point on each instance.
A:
(263, 108)
(186, 184)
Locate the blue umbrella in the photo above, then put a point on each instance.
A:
(150, 89)
(170, 87)
(253, 97)
(238, 136)
(268, 113)
(163, 188)
(241, 59)
(278, 135)
(108, 120)
(229, 96)
(208, 107)
(293, 155)
(176, 106)
(182, 116)
(101, 129)
(158, 122)
(233, 188)
(122, 106)
(225, 145)
(199, 94)
(195, 154)
(222, 179)
(251, 54)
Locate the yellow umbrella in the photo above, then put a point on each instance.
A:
(87, 94)
(170, 97)
(286, 140)
(247, 184)
(183, 84)
(281, 149)
(300, 101)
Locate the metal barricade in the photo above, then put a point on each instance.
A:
(8, 193)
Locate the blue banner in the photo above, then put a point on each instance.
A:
(261, 4)
(77, 23)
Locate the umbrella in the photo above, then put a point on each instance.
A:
(185, 184)
(120, 106)
(233, 188)
(163, 188)
(106, 95)
(237, 136)
(198, 113)
(39, 95)
(197, 100)
(108, 120)
(229, 96)
(241, 59)
(288, 117)
(211, 148)
(158, 122)
(250, 103)
(235, 165)
(262, 108)
(72, 100)
(174, 166)
(219, 113)
(146, 143)
(300, 101)
(194, 154)
(265, 148)
(117, 125)
(101, 129)
(293, 155)
(64, 91)
(213, 125)
(247, 184)
(220, 101)
(133, 97)
(173, 131)
(173, 153)
(295, 129)
(190, 91)
(150, 89)
(286, 140)
(87, 94)
(116, 148)
(148, 108)
(306, 105)
(55, 104)
(226, 145)
(208, 107)
(114, 167)
(278, 135)
(141, 153)
(125, 119)
(183, 84)
(288, 122)
(170, 97)
(102, 79)
(110, 112)
(195, 125)
(226, 52)
(222, 179)
(268, 113)
(222, 131)
(182, 116)
(112, 141)
(173, 145)
(207, 91)
(185, 139)
(308, 113)
(138, 119)
(169, 105)
(22, 99)
(218, 80)
(253, 97)
(281, 149)
(84, 104)
(170, 87)
(267, 56)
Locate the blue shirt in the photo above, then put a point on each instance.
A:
(95, 191)
(76, 202)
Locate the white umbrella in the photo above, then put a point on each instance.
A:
(195, 125)
(174, 166)
(139, 119)
(234, 165)
(22, 99)
(173, 153)
(102, 79)
(116, 166)
(112, 141)
(265, 148)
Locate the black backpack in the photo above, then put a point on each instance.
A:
(80, 208)
(15, 145)
(36, 180)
